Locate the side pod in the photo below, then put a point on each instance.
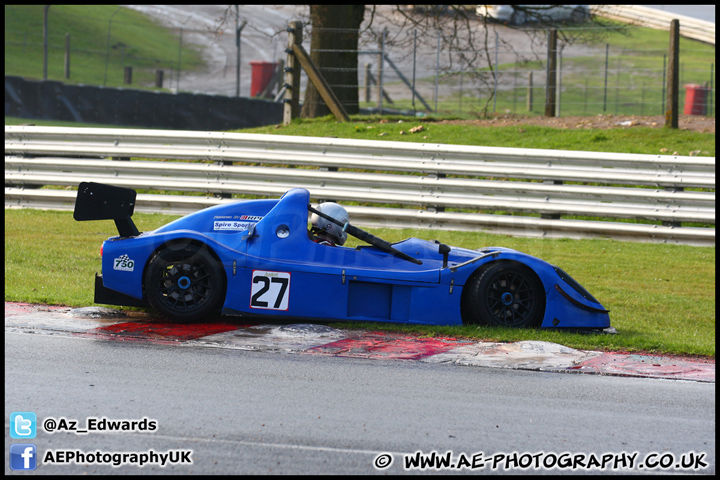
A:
(97, 201)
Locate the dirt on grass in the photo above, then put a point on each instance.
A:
(685, 122)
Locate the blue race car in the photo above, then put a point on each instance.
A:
(256, 257)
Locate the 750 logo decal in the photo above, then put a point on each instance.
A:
(270, 290)
(124, 263)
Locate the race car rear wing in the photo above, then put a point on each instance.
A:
(97, 201)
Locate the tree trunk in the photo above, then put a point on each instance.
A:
(334, 27)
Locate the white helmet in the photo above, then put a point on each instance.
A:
(335, 211)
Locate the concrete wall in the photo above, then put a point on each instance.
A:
(51, 100)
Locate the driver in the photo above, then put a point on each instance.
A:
(324, 231)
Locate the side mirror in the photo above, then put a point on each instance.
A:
(444, 250)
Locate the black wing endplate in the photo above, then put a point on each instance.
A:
(97, 201)
(367, 237)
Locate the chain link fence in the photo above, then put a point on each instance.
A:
(481, 70)
(508, 74)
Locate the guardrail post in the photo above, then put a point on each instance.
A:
(671, 223)
(551, 216)
(291, 107)
(327, 169)
(435, 208)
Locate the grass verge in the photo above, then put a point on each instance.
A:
(645, 140)
(104, 39)
(661, 297)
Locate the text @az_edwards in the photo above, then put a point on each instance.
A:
(98, 424)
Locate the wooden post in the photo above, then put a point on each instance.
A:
(291, 107)
(368, 82)
(673, 80)
(551, 74)
(322, 86)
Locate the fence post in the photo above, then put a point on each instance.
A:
(45, 40)
(607, 59)
(291, 102)
(368, 82)
(437, 70)
(381, 60)
(415, 65)
(67, 55)
(107, 48)
(664, 79)
(177, 85)
(530, 92)
(551, 73)
(671, 112)
(128, 75)
(710, 90)
(159, 78)
(238, 41)
(495, 72)
(558, 90)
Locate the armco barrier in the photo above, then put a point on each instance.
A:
(438, 186)
(694, 28)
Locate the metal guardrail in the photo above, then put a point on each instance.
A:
(436, 177)
(694, 28)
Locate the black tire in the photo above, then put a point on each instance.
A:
(184, 282)
(504, 294)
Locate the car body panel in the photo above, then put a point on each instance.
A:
(273, 268)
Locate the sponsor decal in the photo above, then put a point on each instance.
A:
(238, 223)
(124, 263)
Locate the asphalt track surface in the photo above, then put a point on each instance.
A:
(241, 408)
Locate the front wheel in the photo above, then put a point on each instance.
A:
(504, 294)
(184, 283)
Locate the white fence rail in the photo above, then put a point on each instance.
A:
(436, 178)
(650, 17)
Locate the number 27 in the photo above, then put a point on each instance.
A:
(270, 289)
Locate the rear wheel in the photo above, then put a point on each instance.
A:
(504, 294)
(184, 283)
